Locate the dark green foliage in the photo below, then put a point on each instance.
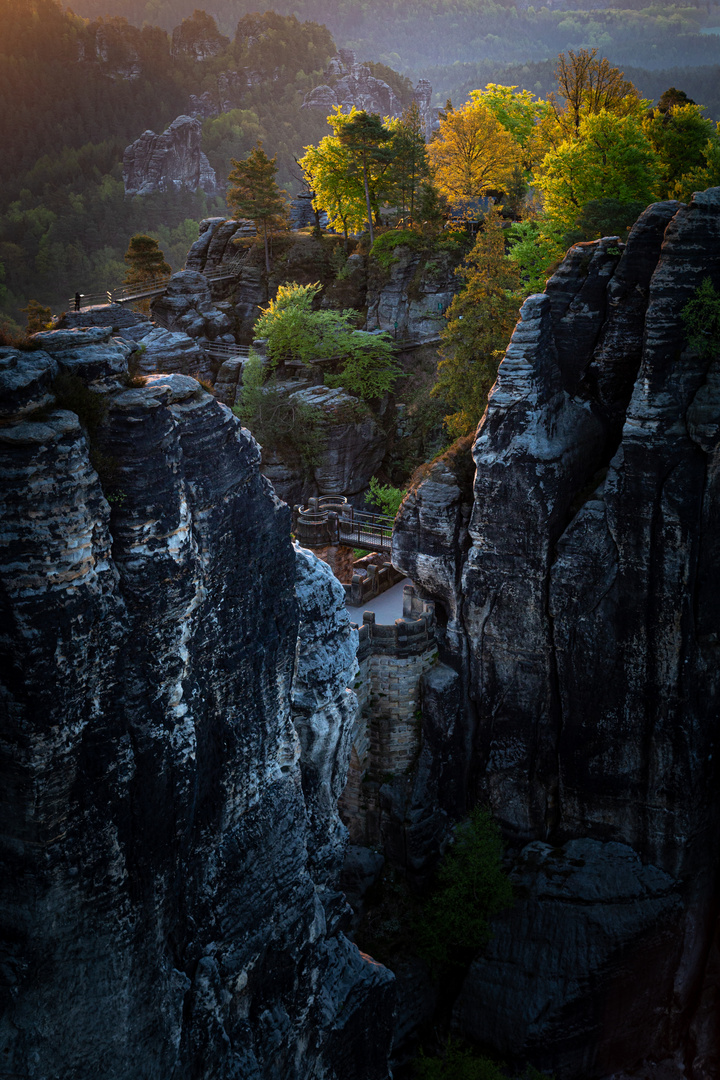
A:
(456, 1063)
(294, 331)
(409, 168)
(385, 497)
(64, 217)
(145, 261)
(253, 193)
(701, 317)
(604, 217)
(472, 886)
(38, 317)
(278, 421)
(385, 245)
(368, 143)
(71, 393)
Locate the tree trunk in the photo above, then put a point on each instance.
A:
(367, 202)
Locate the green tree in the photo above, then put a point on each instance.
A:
(145, 261)
(535, 249)
(294, 331)
(367, 140)
(410, 163)
(519, 113)
(588, 85)
(336, 189)
(253, 193)
(480, 321)
(701, 317)
(472, 153)
(38, 317)
(604, 217)
(679, 135)
(387, 497)
(610, 158)
(278, 420)
(472, 887)
(456, 1063)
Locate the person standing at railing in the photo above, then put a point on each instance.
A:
(77, 301)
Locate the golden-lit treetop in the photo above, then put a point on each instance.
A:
(472, 153)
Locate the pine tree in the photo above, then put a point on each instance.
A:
(481, 319)
(145, 260)
(254, 194)
(410, 164)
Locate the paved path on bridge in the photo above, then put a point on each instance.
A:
(388, 606)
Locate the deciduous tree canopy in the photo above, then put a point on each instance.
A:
(472, 153)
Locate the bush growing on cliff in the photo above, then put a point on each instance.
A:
(278, 421)
(456, 1063)
(472, 886)
(294, 331)
(701, 317)
(480, 321)
(385, 496)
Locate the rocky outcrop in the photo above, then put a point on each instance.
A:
(621, 916)
(350, 84)
(186, 306)
(351, 450)
(168, 895)
(163, 351)
(171, 160)
(582, 600)
(410, 298)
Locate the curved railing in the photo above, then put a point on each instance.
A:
(331, 519)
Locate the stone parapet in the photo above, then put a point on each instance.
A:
(386, 737)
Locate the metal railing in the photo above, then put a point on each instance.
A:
(330, 519)
(142, 290)
(220, 350)
(371, 531)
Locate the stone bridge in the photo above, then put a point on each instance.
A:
(331, 519)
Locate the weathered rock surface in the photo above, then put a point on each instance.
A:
(410, 298)
(25, 380)
(582, 610)
(159, 907)
(586, 911)
(187, 306)
(164, 351)
(324, 707)
(173, 159)
(352, 448)
(349, 84)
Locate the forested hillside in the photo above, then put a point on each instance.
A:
(415, 33)
(74, 94)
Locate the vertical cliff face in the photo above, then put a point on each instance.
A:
(584, 620)
(168, 906)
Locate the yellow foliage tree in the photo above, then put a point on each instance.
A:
(472, 153)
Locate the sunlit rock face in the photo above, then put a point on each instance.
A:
(170, 160)
(169, 843)
(584, 620)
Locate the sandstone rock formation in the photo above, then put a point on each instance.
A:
(580, 591)
(353, 447)
(410, 298)
(186, 306)
(169, 845)
(171, 160)
(350, 84)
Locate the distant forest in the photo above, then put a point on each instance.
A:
(412, 34)
(75, 91)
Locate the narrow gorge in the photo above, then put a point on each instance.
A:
(179, 685)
